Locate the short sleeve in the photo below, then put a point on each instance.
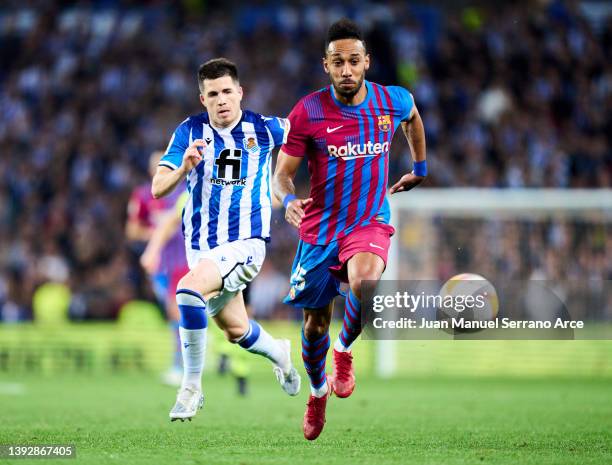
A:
(279, 128)
(173, 157)
(403, 101)
(297, 140)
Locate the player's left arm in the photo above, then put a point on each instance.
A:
(162, 233)
(415, 134)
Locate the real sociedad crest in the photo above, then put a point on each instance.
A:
(384, 123)
(250, 144)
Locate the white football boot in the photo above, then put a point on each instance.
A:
(188, 401)
(291, 381)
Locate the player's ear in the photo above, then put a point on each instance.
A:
(325, 65)
(202, 101)
(240, 92)
(367, 61)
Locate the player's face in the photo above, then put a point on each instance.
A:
(346, 62)
(221, 97)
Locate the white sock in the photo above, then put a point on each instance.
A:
(257, 341)
(192, 330)
(319, 392)
(338, 346)
(193, 348)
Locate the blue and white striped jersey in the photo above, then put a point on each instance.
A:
(229, 191)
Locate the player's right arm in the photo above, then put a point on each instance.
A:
(284, 189)
(167, 178)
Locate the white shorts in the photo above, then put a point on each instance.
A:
(238, 262)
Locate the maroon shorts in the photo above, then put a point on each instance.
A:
(374, 238)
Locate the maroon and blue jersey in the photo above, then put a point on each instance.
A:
(347, 147)
(148, 211)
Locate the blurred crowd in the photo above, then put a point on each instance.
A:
(512, 95)
(554, 248)
(567, 254)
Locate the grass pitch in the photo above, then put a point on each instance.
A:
(124, 420)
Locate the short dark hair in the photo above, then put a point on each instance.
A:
(216, 68)
(343, 29)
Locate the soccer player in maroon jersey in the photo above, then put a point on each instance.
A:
(145, 214)
(345, 131)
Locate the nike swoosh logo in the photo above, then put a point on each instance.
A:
(330, 130)
(377, 246)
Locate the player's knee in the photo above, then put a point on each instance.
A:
(202, 279)
(363, 274)
(313, 332)
(187, 282)
(315, 328)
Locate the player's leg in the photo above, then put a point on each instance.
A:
(313, 289)
(193, 290)
(315, 344)
(363, 266)
(251, 336)
(192, 293)
(363, 255)
(164, 289)
(174, 375)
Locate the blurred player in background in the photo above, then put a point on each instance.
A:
(225, 155)
(345, 131)
(145, 214)
(230, 359)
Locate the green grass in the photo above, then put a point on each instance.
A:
(123, 420)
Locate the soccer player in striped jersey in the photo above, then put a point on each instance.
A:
(345, 131)
(225, 155)
(145, 214)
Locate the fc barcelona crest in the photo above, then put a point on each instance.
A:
(384, 123)
(250, 144)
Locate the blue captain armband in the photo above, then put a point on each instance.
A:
(419, 168)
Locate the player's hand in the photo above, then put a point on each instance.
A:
(407, 182)
(193, 155)
(295, 211)
(150, 260)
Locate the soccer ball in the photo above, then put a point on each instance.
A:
(469, 296)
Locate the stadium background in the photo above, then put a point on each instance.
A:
(515, 95)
